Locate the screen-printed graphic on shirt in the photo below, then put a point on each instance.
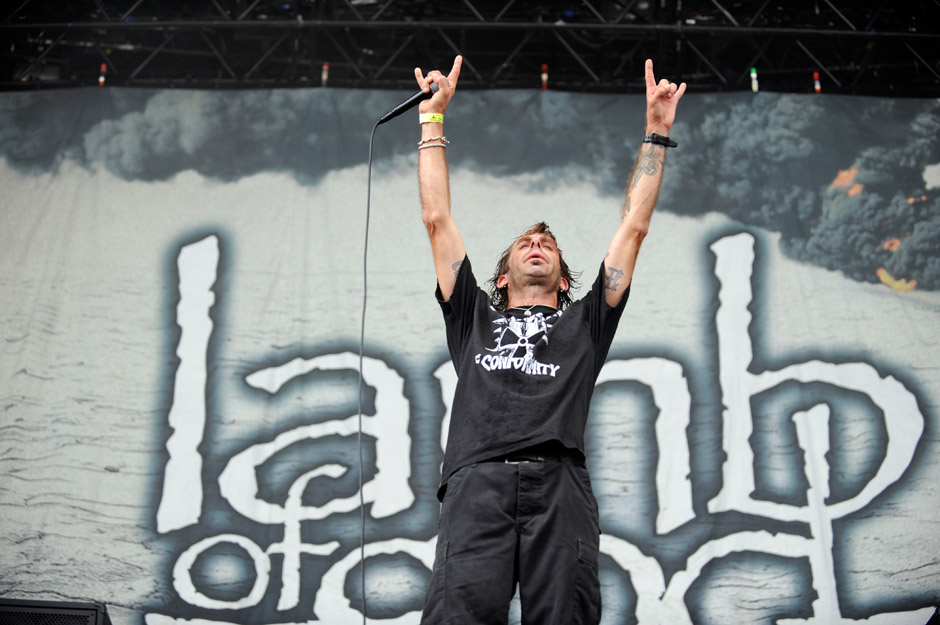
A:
(516, 339)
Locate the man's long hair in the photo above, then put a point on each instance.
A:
(501, 296)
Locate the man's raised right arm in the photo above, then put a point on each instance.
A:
(446, 243)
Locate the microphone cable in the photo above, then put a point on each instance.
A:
(395, 112)
(362, 346)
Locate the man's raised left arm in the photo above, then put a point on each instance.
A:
(642, 187)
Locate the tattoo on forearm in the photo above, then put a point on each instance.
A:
(612, 279)
(648, 164)
(626, 207)
(456, 267)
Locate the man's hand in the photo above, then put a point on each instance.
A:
(661, 102)
(446, 87)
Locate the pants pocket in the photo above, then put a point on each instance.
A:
(587, 587)
(435, 601)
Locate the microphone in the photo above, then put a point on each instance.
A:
(408, 104)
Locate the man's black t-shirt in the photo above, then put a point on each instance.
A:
(523, 379)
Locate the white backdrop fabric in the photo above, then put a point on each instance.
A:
(181, 288)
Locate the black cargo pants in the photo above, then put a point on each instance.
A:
(531, 523)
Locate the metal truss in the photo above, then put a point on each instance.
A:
(871, 47)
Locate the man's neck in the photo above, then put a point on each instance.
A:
(532, 297)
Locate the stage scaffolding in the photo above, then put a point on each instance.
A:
(868, 47)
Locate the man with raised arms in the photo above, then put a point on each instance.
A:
(516, 499)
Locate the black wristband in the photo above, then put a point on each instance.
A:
(659, 140)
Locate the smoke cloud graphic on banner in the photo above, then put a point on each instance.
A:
(872, 212)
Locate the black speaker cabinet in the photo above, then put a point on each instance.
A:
(23, 612)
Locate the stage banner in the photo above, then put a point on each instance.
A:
(182, 293)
